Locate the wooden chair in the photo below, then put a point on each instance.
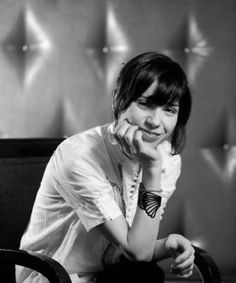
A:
(22, 163)
(50, 268)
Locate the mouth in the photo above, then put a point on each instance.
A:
(150, 136)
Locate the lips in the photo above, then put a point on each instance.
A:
(150, 136)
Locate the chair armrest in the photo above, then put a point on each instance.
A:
(206, 266)
(45, 265)
(56, 273)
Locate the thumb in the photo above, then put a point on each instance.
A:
(173, 246)
(174, 250)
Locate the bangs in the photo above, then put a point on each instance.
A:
(141, 72)
(169, 90)
(171, 86)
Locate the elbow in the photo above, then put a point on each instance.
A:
(139, 256)
(142, 258)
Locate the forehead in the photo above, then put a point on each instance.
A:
(161, 99)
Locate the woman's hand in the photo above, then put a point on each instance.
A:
(183, 253)
(130, 141)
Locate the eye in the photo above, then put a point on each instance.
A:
(144, 103)
(171, 109)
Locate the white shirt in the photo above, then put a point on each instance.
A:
(87, 181)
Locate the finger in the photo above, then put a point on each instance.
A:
(180, 271)
(129, 138)
(186, 272)
(138, 141)
(140, 145)
(120, 125)
(183, 272)
(124, 133)
(188, 251)
(186, 264)
(121, 129)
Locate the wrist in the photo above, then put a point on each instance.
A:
(152, 169)
(149, 200)
(151, 178)
(160, 251)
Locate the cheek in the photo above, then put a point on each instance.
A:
(170, 124)
(133, 114)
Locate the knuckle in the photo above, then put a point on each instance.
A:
(118, 134)
(128, 141)
(136, 140)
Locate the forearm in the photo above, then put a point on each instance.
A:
(142, 236)
(143, 233)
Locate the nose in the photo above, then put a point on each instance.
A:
(153, 120)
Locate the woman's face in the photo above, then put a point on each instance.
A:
(156, 122)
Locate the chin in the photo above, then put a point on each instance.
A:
(151, 144)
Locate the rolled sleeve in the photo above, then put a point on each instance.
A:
(104, 209)
(83, 184)
(171, 174)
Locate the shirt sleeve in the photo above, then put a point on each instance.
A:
(170, 175)
(80, 172)
(171, 168)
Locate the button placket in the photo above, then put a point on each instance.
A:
(132, 194)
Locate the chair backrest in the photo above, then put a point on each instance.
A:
(22, 163)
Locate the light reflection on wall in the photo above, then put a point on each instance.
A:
(222, 161)
(37, 40)
(117, 47)
(27, 46)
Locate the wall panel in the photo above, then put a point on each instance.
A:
(59, 60)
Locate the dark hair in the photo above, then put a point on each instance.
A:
(136, 77)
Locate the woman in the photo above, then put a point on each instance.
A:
(104, 191)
